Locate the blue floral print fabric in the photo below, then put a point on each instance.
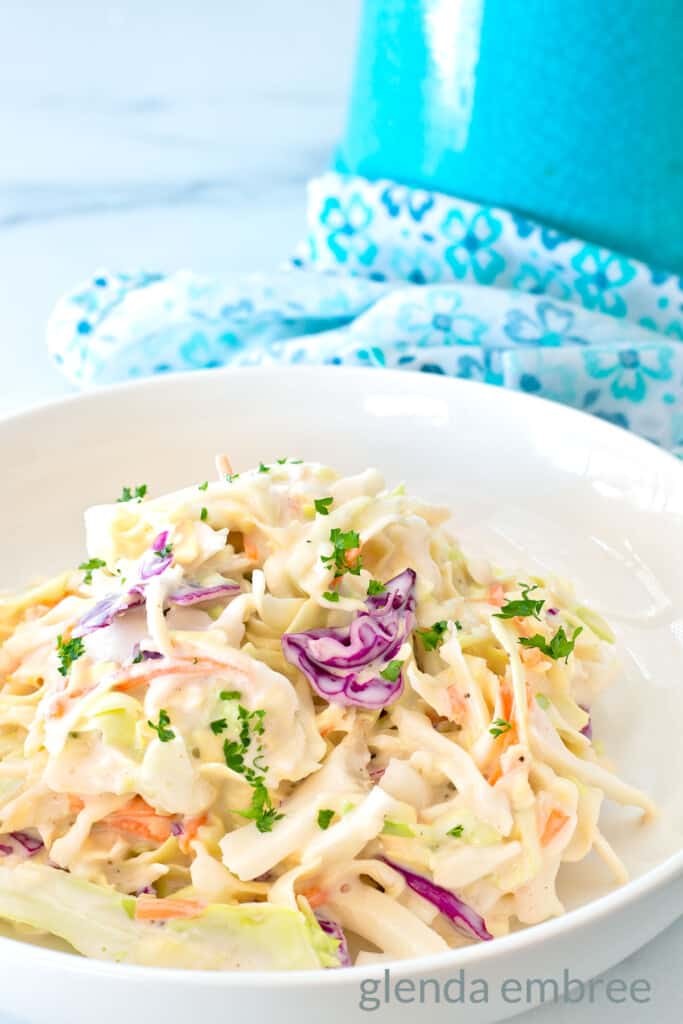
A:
(405, 278)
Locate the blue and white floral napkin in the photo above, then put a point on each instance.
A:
(398, 277)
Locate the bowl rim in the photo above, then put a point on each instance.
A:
(486, 953)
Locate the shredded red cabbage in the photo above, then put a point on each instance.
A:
(155, 561)
(335, 930)
(196, 593)
(343, 664)
(32, 844)
(6, 850)
(462, 916)
(151, 564)
(587, 730)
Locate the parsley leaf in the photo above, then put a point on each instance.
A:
(218, 726)
(92, 563)
(331, 595)
(392, 671)
(342, 544)
(281, 462)
(229, 477)
(322, 505)
(202, 487)
(375, 587)
(263, 469)
(560, 646)
(325, 816)
(161, 727)
(138, 492)
(261, 810)
(68, 652)
(499, 727)
(203, 514)
(433, 637)
(165, 551)
(521, 607)
(456, 831)
(230, 695)
(542, 701)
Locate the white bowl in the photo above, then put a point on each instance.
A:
(533, 483)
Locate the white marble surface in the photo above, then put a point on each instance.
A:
(167, 135)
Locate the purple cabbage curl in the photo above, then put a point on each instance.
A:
(6, 850)
(344, 664)
(463, 917)
(336, 932)
(587, 730)
(31, 844)
(191, 593)
(153, 563)
(156, 560)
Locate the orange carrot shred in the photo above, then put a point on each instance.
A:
(148, 908)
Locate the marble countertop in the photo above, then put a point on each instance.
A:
(160, 136)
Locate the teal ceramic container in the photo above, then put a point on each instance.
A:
(568, 111)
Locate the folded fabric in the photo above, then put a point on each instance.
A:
(398, 277)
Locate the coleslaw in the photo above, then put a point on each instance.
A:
(281, 721)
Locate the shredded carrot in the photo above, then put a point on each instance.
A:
(457, 703)
(190, 828)
(351, 556)
(525, 627)
(532, 657)
(496, 595)
(502, 743)
(316, 897)
(140, 675)
(251, 550)
(75, 803)
(555, 822)
(137, 818)
(148, 908)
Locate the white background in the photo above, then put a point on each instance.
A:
(169, 135)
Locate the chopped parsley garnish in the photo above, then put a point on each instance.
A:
(375, 587)
(68, 652)
(261, 810)
(203, 514)
(322, 506)
(281, 462)
(456, 831)
(542, 701)
(251, 727)
(165, 551)
(92, 563)
(296, 462)
(230, 695)
(263, 469)
(202, 487)
(343, 542)
(229, 477)
(161, 727)
(499, 727)
(128, 494)
(523, 606)
(560, 646)
(137, 658)
(331, 595)
(325, 816)
(433, 637)
(392, 671)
